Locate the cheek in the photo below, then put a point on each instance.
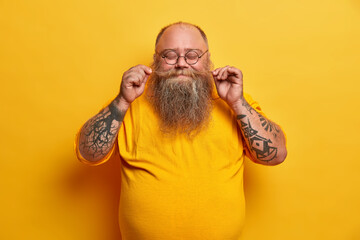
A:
(204, 64)
(199, 66)
(160, 65)
(165, 67)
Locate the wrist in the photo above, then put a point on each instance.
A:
(238, 106)
(120, 103)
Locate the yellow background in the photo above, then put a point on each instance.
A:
(60, 61)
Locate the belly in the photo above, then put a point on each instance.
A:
(187, 209)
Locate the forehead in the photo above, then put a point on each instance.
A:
(181, 37)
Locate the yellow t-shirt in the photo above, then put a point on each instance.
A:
(175, 188)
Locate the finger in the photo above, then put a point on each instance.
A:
(144, 80)
(235, 71)
(141, 78)
(144, 77)
(139, 72)
(131, 76)
(216, 71)
(223, 73)
(132, 82)
(147, 70)
(134, 79)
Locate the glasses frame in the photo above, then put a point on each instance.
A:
(178, 56)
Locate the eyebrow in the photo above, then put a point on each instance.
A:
(186, 49)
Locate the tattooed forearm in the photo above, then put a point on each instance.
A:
(258, 144)
(98, 134)
(264, 139)
(247, 106)
(268, 125)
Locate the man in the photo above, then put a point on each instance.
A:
(182, 142)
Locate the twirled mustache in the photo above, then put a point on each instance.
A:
(192, 73)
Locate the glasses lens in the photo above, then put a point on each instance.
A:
(191, 57)
(171, 57)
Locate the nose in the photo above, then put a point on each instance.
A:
(181, 63)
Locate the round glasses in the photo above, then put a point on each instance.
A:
(191, 57)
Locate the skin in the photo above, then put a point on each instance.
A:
(264, 138)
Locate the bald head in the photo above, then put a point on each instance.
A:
(181, 25)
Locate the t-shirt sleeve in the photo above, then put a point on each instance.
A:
(255, 105)
(87, 162)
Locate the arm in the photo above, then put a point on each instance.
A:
(99, 133)
(264, 138)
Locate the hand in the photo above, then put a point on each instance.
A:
(133, 83)
(229, 84)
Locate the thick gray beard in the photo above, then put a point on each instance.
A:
(183, 105)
